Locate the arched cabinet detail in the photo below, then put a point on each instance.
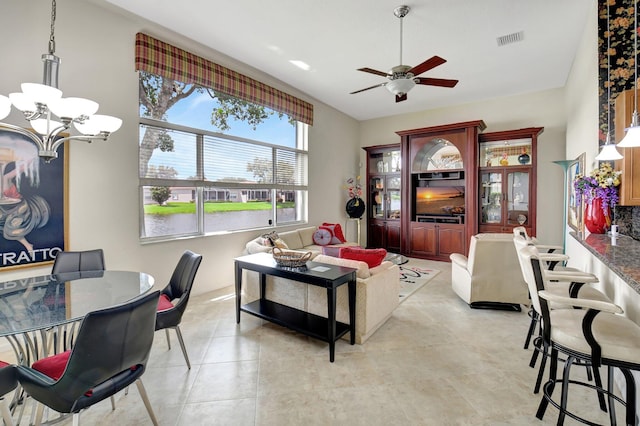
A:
(439, 212)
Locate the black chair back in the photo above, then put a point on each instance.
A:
(179, 287)
(79, 261)
(110, 353)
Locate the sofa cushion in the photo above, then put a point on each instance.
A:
(291, 239)
(373, 257)
(362, 267)
(306, 235)
(256, 246)
(322, 237)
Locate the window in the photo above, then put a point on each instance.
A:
(196, 179)
(219, 151)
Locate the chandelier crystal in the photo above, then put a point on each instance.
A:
(41, 103)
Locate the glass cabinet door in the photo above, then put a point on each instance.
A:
(377, 202)
(491, 195)
(518, 198)
(393, 197)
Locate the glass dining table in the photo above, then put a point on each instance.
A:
(39, 316)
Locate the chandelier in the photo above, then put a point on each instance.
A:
(41, 102)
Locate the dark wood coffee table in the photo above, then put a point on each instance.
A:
(319, 274)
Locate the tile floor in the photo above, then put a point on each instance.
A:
(435, 362)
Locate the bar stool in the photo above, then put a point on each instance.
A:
(596, 334)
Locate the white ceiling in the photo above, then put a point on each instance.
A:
(335, 37)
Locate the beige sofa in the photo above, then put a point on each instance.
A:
(491, 275)
(298, 239)
(377, 292)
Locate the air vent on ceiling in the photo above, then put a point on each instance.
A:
(510, 38)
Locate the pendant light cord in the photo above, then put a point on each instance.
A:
(52, 37)
(635, 55)
(608, 138)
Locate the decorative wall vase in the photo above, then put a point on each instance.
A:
(355, 207)
(595, 219)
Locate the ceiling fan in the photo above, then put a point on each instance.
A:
(402, 78)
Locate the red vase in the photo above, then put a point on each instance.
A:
(596, 220)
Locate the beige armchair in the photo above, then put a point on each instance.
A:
(490, 277)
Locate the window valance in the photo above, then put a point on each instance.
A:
(157, 57)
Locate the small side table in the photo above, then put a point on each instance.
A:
(357, 221)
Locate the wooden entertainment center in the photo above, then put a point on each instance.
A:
(429, 194)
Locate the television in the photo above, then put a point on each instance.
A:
(440, 200)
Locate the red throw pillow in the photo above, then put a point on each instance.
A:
(373, 257)
(336, 231)
(52, 366)
(322, 237)
(164, 303)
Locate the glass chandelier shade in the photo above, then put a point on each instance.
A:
(632, 138)
(400, 86)
(609, 151)
(41, 103)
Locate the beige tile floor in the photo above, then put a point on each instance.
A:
(435, 362)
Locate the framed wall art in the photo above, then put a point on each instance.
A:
(574, 209)
(33, 202)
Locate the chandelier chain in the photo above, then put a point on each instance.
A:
(52, 37)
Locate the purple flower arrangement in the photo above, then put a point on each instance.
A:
(602, 183)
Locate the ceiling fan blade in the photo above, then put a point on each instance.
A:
(367, 88)
(372, 71)
(400, 98)
(430, 63)
(442, 82)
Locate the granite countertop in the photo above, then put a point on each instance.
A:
(621, 255)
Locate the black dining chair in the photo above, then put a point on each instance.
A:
(110, 352)
(179, 288)
(78, 261)
(8, 382)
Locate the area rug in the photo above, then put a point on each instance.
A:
(413, 276)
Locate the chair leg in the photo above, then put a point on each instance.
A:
(543, 364)
(612, 401)
(6, 413)
(113, 403)
(184, 349)
(548, 388)
(145, 399)
(631, 416)
(532, 327)
(76, 419)
(166, 330)
(564, 394)
(537, 342)
(598, 382)
(39, 413)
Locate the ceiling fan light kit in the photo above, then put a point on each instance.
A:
(402, 78)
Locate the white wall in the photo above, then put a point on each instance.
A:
(541, 109)
(97, 51)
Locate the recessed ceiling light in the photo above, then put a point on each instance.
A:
(300, 64)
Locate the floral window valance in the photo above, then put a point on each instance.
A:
(157, 57)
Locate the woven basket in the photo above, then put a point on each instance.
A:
(289, 258)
